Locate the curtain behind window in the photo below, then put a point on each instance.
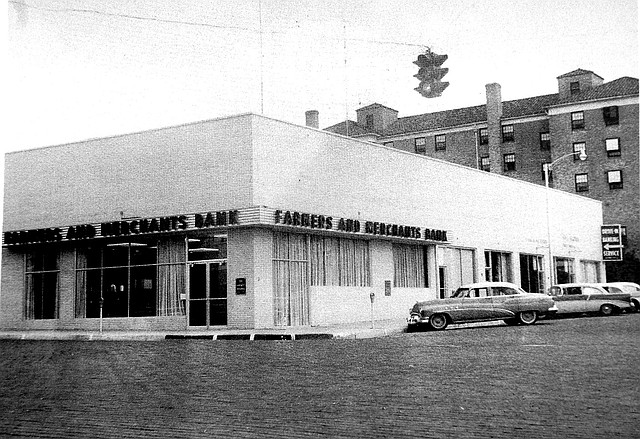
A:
(291, 280)
(171, 277)
(340, 262)
(408, 266)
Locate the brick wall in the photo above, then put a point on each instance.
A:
(620, 206)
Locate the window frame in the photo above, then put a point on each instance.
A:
(544, 165)
(509, 165)
(545, 143)
(485, 163)
(581, 186)
(574, 87)
(577, 123)
(440, 142)
(508, 133)
(368, 121)
(615, 184)
(610, 119)
(579, 147)
(613, 152)
(423, 146)
(483, 136)
(34, 309)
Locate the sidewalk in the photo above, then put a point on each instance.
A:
(359, 330)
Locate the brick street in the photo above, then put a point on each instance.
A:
(562, 378)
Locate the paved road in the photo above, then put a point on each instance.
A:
(566, 378)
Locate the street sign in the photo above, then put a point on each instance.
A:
(611, 237)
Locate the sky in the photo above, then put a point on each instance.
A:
(80, 69)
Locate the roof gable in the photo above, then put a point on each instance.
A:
(624, 86)
(578, 72)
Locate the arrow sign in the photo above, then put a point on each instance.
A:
(611, 238)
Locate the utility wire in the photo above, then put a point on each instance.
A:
(197, 24)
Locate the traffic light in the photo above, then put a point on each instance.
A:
(431, 74)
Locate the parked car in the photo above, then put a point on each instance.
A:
(479, 302)
(626, 287)
(581, 298)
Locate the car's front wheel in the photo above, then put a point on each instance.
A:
(636, 306)
(527, 317)
(606, 309)
(438, 321)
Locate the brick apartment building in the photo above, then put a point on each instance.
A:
(518, 138)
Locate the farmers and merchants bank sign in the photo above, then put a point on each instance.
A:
(276, 218)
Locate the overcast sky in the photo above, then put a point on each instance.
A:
(80, 69)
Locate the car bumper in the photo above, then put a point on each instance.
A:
(416, 320)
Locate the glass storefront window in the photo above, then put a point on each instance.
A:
(138, 278)
(564, 271)
(532, 273)
(42, 284)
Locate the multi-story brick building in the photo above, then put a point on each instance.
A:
(519, 138)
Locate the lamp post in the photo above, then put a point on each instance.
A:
(547, 168)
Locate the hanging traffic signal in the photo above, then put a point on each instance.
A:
(431, 74)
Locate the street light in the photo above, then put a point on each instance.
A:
(547, 168)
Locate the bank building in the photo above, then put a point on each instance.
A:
(250, 222)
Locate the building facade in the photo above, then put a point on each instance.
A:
(249, 222)
(519, 138)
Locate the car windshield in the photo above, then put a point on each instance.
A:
(461, 292)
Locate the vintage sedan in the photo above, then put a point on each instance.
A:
(479, 302)
(586, 298)
(626, 287)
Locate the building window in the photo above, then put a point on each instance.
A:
(421, 145)
(42, 286)
(545, 141)
(368, 121)
(507, 133)
(610, 115)
(410, 266)
(497, 266)
(483, 134)
(582, 182)
(574, 88)
(389, 144)
(441, 142)
(578, 149)
(140, 278)
(485, 164)
(339, 262)
(591, 271)
(546, 165)
(577, 120)
(510, 162)
(532, 273)
(613, 147)
(614, 178)
(564, 271)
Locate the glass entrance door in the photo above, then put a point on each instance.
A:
(207, 293)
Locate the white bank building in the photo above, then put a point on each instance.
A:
(250, 222)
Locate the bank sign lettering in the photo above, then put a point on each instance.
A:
(611, 236)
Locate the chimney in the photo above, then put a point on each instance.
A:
(313, 119)
(494, 126)
(494, 101)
